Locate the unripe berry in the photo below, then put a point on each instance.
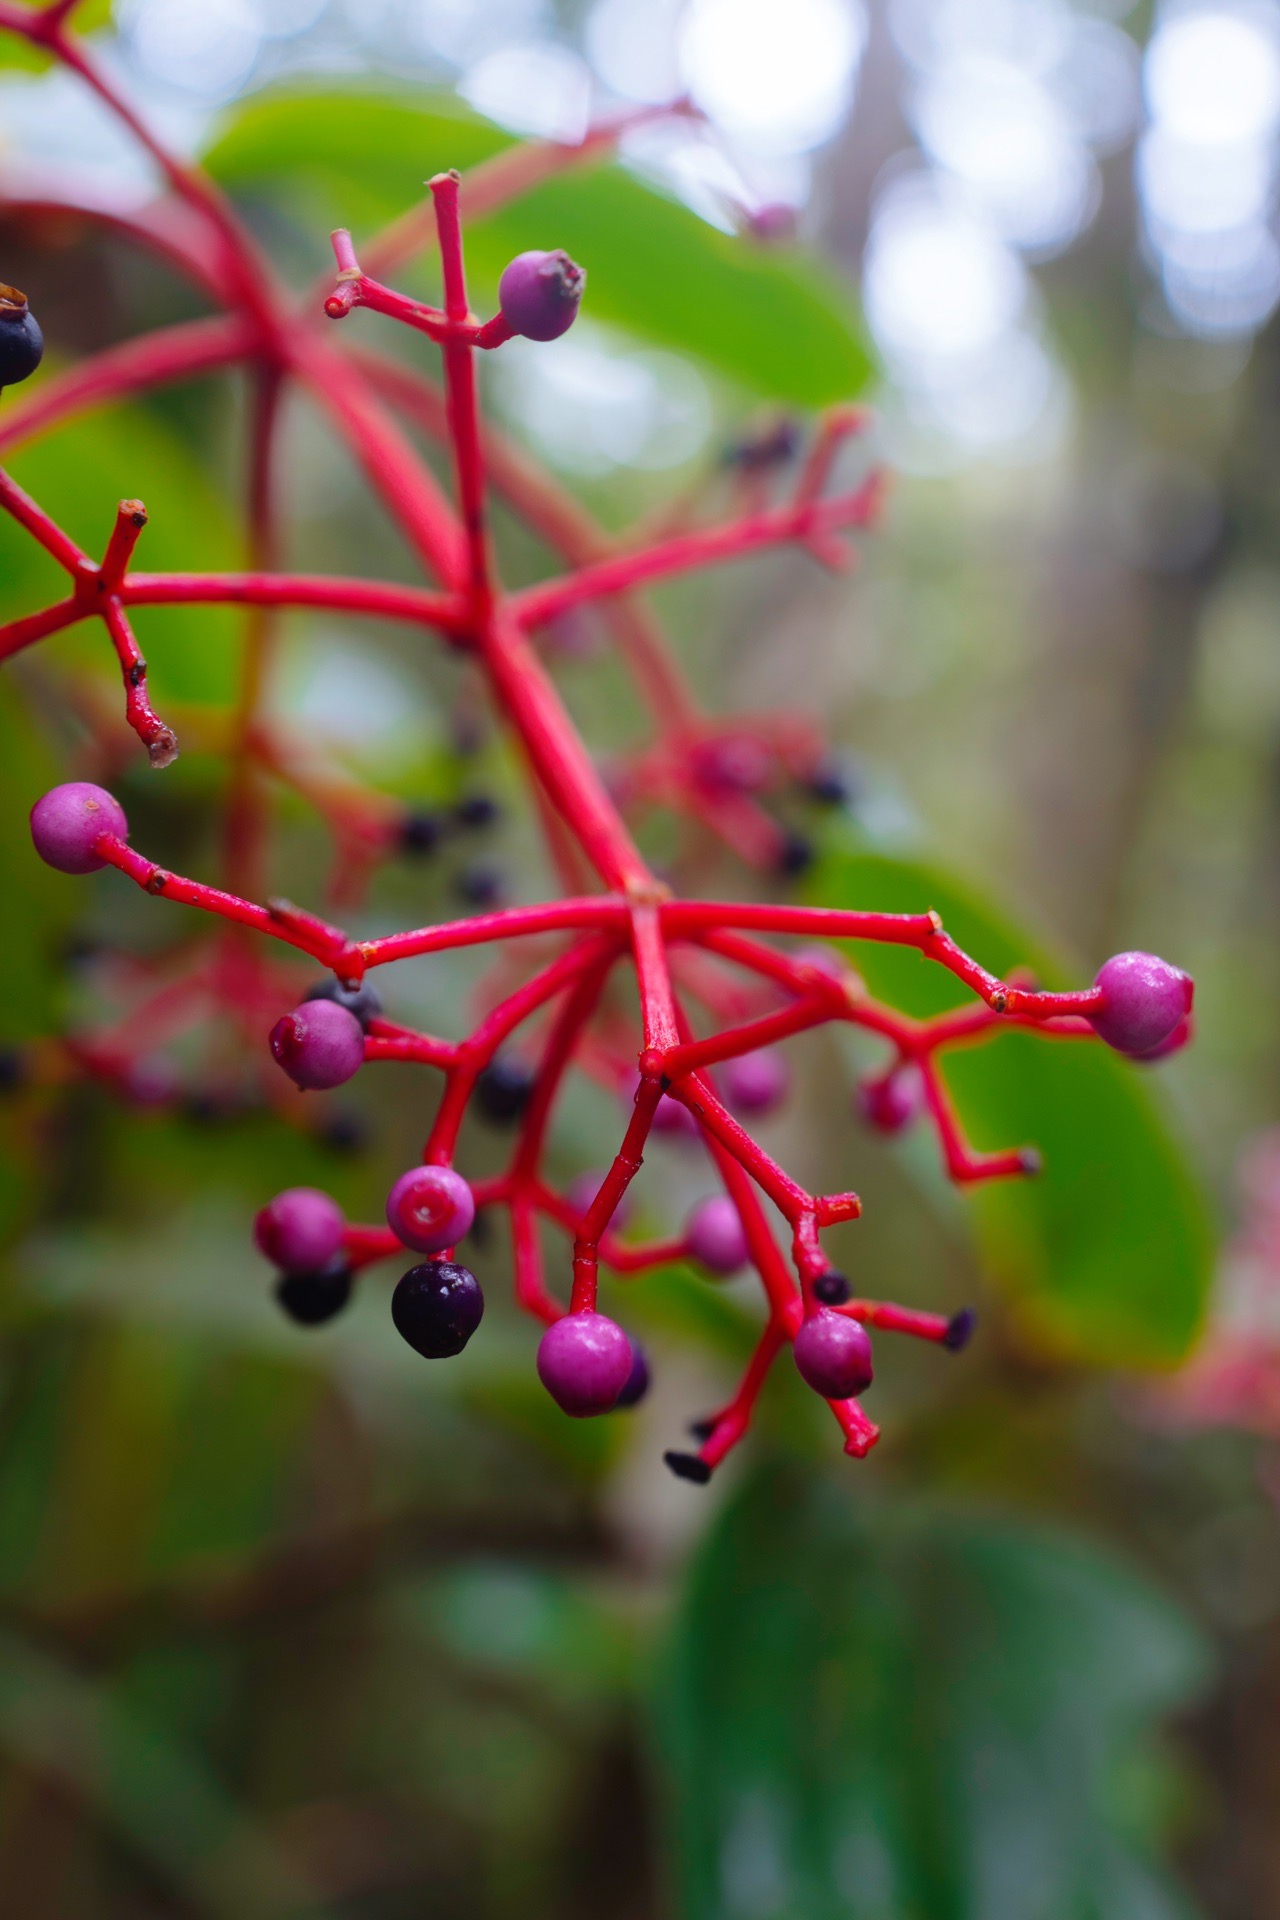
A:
(437, 1307)
(637, 1382)
(758, 1082)
(833, 1355)
(715, 1236)
(430, 1208)
(300, 1230)
(891, 1102)
(364, 1000)
(540, 293)
(1144, 1000)
(21, 341)
(584, 1362)
(503, 1089)
(67, 820)
(319, 1044)
(313, 1298)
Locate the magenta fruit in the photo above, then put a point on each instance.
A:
(319, 1044)
(430, 1208)
(833, 1355)
(66, 821)
(300, 1230)
(584, 1362)
(540, 293)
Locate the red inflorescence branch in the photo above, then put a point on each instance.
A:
(704, 1072)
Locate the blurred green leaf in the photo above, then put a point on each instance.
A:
(1106, 1254)
(775, 320)
(912, 1714)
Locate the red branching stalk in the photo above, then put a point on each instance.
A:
(722, 954)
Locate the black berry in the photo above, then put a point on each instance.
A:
(481, 886)
(503, 1089)
(687, 1466)
(21, 341)
(477, 810)
(794, 855)
(313, 1298)
(363, 1000)
(437, 1307)
(831, 1288)
(637, 1381)
(420, 833)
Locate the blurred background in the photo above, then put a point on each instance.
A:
(288, 1623)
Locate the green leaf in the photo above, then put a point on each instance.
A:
(774, 320)
(1106, 1253)
(913, 1714)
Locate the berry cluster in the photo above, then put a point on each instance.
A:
(720, 986)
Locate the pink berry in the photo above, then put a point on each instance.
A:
(584, 1362)
(581, 1191)
(319, 1044)
(540, 294)
(430, 1208)
(1176, 1041)
(67, 820)
(891, 1102)
(715, 1237)
(300, 1231)
(1144, 999)
(756, 1082)
(833, 1354)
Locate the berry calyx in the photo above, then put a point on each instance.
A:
(503, 1089)
(757, 1083)
(833, 1355)
(715, 1236)
(21, 341)
(66, 821)
(892, 1101)
(540, 293)
(831, 1288)
(364, 1001)
(437, 1307)
(313, 1298)
(584, 1362)
(300, 1230)
(688, 1466)
(1144, 1000)
(637, 1381)
(319, 1044)
(430, 1208)
(960, 1330)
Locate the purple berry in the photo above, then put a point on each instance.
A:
(584, 1362)
(715, 1236)
(300, 1230)
(637, 1382)
(430, 1208)
(503, 1089)
(831, 1288)
(313, 1298)
(833, 1355)
(1176, 1041)
(319, 1044)
(540, 293)
(756, 1082)
(66, 821)
(892, 1102)
(437, 1307)
(21, 341)
(1144, 999)
(581, 1191)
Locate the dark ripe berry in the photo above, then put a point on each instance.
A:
(319, 1044)
(687, 1466)
(960, 1329)
(477, 810)
(437, 1307)
(831, 1288)
(313, 1298)
(1145, 999)
(715, 1236)
(21, 341)
(794, 855)
(363, 1000)
(833, 1355)
(503, 1089)
(540, 293)
(67, 820)
(300, 1230)
(756, 1083)
(430, 1208)
(343, 1132)
(637, 1381)
(481, 886)
(584, 1362)
(419, 833)
(13, 1069)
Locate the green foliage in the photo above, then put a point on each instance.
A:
(1106, 1253)
(913, 1714)
(775, 321)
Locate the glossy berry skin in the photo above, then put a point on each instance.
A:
(313, 1298)
(21, 341)
(1145, 1001)
(67, 820)
(714, 1236)
(364, 1000)
(757, 1083)
(831, 1288)
(503, 1089)
(637, 1382)
(430, 1208)
(584, 1362)
(892, 1102)
(319, 1044)
(437, 1307)
(540, 293)
(833, 1355)
(300, 1230)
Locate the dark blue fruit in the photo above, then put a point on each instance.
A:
(437, 1307)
